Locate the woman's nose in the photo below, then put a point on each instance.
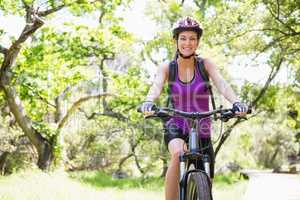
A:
(189, 41)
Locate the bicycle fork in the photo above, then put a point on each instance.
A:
(182, 177)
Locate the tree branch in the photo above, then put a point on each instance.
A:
(122, 161)
(39, 96)
(76, 105)
(277, 17)
(104, 82)
(182, 2)
(134, 143)
(269, 45)
(278, 8)
(26, 6)
(58, 101)
(293, 51)
(29, 11)
(138, 164)
(14, 50)
(148, 55)
(29, 29)
(3, 50)
(55, 9)
(52, 10)
(201, 5)
(16, 107)
(284, 34)
(262, 92)
(101, 17)
(110, 113)
(225, 135)
(272, 75)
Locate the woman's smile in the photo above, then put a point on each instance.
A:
(187, 42)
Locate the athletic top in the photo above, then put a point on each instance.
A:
(190, 96)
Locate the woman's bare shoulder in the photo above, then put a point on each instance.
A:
(208, 63)
(164, 67)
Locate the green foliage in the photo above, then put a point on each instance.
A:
(13, 142)
(130, 90)
(11, 7)
(278, 144)
(94, 147)
(102, 180)
(268, 102)
(161, 44)
(228, 179)
(77, 7)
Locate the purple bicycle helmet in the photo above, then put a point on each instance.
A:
(187, 24)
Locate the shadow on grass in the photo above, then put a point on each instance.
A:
(101, 180)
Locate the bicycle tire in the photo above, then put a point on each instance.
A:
(198, 187)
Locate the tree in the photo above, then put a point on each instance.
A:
(34, 11)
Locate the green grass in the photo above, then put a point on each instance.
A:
(228, 179)
(37, 185)
(101, 180)
(230, 186)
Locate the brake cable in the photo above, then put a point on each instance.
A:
(220, 133)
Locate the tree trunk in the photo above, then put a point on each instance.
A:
(42, 145)
(45, 155)
(273, 157)
(3, 158)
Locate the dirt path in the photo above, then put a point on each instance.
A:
(272, 186)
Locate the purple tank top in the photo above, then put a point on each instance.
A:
(190, 97)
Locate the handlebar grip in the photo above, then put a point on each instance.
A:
(139, 108)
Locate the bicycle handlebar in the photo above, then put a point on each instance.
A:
(164, 112)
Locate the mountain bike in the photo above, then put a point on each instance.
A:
(194, 165)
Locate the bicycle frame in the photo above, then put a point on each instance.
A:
(195, 149)
(186, 158)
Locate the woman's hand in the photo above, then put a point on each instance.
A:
(240, 109)
(147, 108)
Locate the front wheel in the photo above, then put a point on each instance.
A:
(198, 187)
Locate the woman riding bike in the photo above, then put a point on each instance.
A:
(188, 93)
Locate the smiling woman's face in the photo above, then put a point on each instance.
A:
(187, 42)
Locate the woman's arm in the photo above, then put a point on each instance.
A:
(222, 86)
(158, 83)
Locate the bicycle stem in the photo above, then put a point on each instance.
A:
(193, 141)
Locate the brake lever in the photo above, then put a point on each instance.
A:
(150, 116)
(160, 113)
(242, 118)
